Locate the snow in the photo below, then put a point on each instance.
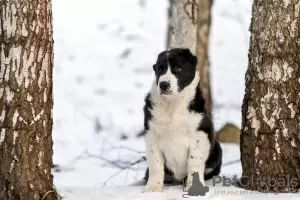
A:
(170, 193)
(104, 52)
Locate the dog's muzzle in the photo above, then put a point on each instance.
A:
(164, 87)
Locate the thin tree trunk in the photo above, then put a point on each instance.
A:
(203, 32)
(270, 139)
(26, 61)
(189, 27)
(183, 15)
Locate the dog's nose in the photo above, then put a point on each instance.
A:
(164, 85)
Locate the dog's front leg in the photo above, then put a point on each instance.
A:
(155, 162)
(198, 154)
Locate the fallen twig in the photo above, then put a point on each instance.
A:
(142, 159)
(231, 162)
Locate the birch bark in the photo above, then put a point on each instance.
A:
(26, 62)
(270, 135)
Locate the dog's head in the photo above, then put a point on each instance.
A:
(174, 70)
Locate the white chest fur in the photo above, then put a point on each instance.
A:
(172, 125)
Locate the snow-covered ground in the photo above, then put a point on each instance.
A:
(170, 193)
(104, 51)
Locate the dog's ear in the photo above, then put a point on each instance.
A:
(154, 67)
(189, 56)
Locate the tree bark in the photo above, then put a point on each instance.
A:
(203, 32)
(189, 27)
(270, 135)
(26, 60)
(183, 16)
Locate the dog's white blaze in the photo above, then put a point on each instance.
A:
(170, 78)
(173, 137)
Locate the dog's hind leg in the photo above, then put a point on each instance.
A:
(214, 162)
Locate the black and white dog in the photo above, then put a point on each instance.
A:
(179, 134)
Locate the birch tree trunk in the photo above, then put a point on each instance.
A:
(189, 24)
(203, 32)
(270, 139)
(183, 15)
(26, 60)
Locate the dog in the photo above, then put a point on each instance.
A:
(179, 137)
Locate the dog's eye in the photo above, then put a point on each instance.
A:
(177, 68)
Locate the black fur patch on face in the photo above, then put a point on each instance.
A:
(182, 64)
(161, 65)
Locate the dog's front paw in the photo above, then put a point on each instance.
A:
(188, 183)
(186, 188)
(153, 188)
